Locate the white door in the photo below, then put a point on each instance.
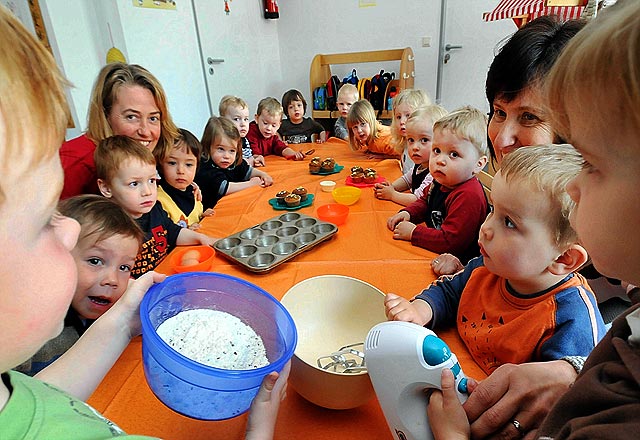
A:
(472, 43)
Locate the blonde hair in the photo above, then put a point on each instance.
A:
(430, 114)
(467, 123)
(608, 47)
(216, 128)
(347, 89)
(414, 98)
(547, 169)
(110, 80)
(362, 111)
(228, 101)
(113, 151)
(33, 107)
(271, 106)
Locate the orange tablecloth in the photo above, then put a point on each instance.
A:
(363, 248)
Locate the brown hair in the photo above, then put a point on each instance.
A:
(184, 141)
(113, 151)
(293, 95)
(216, 128)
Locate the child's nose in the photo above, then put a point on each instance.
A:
(486, 231)
(111, 277)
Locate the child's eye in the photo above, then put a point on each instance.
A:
(436, 150)
(153, 181)
(94, 261)
(133, 184)
(425, 140)
(509, 223)
(454, 154)
(172, 163)
(125, 268)
(410, 140)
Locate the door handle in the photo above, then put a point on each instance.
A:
(215, 60)
(449, 47)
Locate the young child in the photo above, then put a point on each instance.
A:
(38, 276)
(237, 111)
(419, 132)
(405, 103)
(104, 255)
(263, 132)
(454, 206)
(366, 132)
(347, 95)
(127, 174)
(222, 170)
(297, 129)
(177, 168)
(521, 300)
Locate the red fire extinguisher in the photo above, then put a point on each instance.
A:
(271, 9)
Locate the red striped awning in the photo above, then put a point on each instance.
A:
(532, 9)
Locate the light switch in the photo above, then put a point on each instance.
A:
(426, 41)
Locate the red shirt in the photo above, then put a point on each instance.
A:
(79, 168)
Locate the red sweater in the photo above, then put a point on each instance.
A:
(79, 168)
(261, 145)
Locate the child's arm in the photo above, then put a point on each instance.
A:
(187, 236)
(395, 192)
(399, 309)
(258, 160)
(394, 220)
(264, 408)
(234, 187)
(81, 369)
(265, 179)
(290, 153)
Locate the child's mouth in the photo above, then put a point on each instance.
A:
(99, 300)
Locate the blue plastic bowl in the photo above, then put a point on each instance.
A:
(200, 391)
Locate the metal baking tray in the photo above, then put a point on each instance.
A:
(264, 246)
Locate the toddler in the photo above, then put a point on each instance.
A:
(263, 132)
(366, 132)
(347, 95)
(419, 136)
(222, 170)
(405, 103)
(521, 300)
(237, 111)
(177, 168)
(297, 129)
(104, 255)
(127, 174)
(454, 206)
(33, 304)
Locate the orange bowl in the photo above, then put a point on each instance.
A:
(205, 259)
(333, 213)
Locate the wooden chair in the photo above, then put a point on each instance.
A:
(486, 179)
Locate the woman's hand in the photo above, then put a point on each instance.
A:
(264, 408)
(524, 393)
(446, 264)
(447, 419)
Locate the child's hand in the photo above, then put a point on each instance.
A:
(208, 212)
(446, 416)
(264, 408)
(322, 137)
(384, 190)
(258, 160)
(399, 309)
(194, 226)
(446, 264)
(197, 194)
(403, 231)
(266, 180)
(397, 218)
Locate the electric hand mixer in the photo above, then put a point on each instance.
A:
(403, 360)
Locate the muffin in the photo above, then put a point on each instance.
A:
(314, 165)
(370, 176)
(300, 191)
(357, 177)
(292, 200)
(281, 196)
(328, 164)
(356, 169)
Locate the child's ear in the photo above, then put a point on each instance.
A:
(569, 261)
(105, 190)
(482, 161)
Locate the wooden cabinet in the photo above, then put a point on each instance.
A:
(320, 71)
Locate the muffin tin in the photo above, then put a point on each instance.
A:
(270, 243)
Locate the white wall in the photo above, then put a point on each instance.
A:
(309, 27)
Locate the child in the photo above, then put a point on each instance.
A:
(521, 300)
(347, 95)
(419, 135)
(237, 111)
(177, 169)
(127, 174)
(405, 103)
(104, 255)
(366, 132)
(222, 170)
(263, 132)
(33, 304)
(454, 206)
(297, 129)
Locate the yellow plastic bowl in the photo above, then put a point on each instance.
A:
(330, 312)
(346, 195)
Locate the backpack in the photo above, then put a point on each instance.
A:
(379, 83)
(320, 98)
(352, 78)
(364, 88)
(332, 92)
